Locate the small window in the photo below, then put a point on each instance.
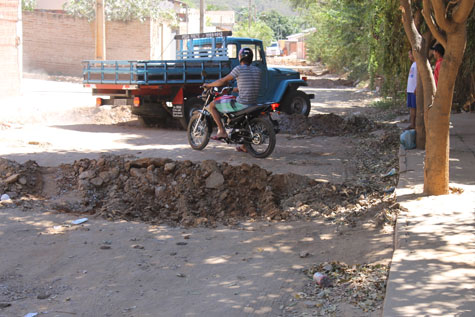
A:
(232, 51)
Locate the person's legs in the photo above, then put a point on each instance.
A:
(214, 112)
(412, 117)
(411, 104)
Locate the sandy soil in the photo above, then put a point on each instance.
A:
(106, 268)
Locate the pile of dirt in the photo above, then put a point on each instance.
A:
(205, 194)
(156, 190)
(373, 161)
(19, 180)
(326, 124)
(166, 191)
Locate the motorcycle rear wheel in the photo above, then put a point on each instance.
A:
(263, 140)
(199, 131)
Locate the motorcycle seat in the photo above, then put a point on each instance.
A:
(249, 109)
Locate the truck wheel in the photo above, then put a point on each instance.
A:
(296, 101)
(191, 105)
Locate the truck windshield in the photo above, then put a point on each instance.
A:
(255, 50)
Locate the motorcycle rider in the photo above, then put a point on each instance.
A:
(248, 84)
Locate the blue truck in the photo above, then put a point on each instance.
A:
(162, 90)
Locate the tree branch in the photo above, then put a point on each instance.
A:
(440, 18)
(409, 25)
(462, 11)
(439, 36)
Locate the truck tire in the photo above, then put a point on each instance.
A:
(296, 101)
(191, 105)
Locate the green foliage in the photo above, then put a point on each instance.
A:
(258, 6)
(465, 82)
(258, 30)
(364, 37)
(341, 41)
(282, 25)
(124, 10)
(28, 5)
(389, 47)
(367, 39)
(215, 7)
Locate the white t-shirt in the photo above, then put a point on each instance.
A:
(412, 79)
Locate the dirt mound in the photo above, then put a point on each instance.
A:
(184, 193)
(18, 180)
(166, 191)
(204, 194)
(326, 124)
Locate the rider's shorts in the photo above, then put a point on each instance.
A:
(228, 103)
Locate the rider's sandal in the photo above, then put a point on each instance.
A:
(240, 149)
(218, 138)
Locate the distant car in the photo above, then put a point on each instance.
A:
(273, 49)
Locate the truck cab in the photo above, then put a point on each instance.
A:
(278, 85)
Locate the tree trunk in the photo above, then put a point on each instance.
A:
(436, 170)
(421, 105)
(420, 127)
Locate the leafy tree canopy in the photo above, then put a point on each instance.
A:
(28, 5)
(124, 10)
(258, 30)
(281, 25)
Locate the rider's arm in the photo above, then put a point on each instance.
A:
(220, 82)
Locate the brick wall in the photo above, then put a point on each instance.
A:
(9, 48)
(56, 43)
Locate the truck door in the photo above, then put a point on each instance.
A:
(259, 61)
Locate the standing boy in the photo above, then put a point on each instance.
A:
(411, 92)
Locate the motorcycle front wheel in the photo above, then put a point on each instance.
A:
(199, 131)
(263, 138)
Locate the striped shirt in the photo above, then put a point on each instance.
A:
(248, 82)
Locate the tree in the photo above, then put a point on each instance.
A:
(125, 10)
(446, 21)
(28, 5)
(282, 25)
(259, 30)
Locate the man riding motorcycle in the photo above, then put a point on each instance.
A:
(248, 84)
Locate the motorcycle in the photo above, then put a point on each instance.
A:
(254, 126)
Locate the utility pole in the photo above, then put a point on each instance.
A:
(100, 31)
(202, 16)
(249, 11)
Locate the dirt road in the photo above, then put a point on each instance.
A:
(126, 268)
